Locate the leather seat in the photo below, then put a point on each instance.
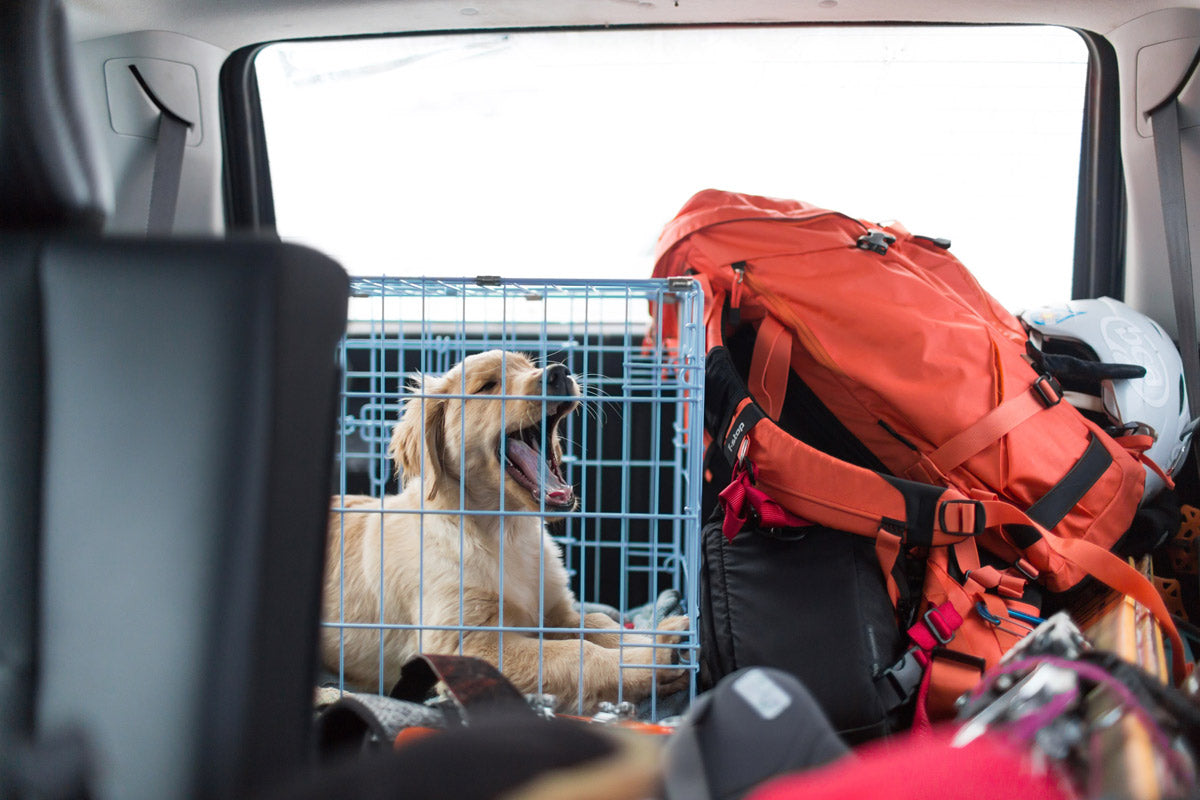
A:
(166, 417)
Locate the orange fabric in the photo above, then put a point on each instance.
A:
(887, 550)
(929, 372)
(908, 352)
(986, 431)
(769, 366)
(1107, 568)
(948, 680)
(976, 636)
(832, 492)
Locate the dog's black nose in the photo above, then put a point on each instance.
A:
(558, 381)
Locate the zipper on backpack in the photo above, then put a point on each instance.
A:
(896, 434)
(735, 293)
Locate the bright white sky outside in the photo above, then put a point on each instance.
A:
(563, 154)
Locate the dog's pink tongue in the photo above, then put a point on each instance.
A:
(529, 462)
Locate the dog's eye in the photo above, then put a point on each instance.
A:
(487, 387)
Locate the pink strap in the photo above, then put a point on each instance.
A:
(937, 626)
(945, 620)
(921, 724)
(741, 497)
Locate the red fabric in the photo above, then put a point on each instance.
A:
(916, 768)
(945, 618)
(741, 497)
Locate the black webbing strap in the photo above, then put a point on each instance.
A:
(724, 390)
(168, 162)
(1055, 504)
(475, 685)
(1062, 497)
(1168, 153)
(750, 416)
(922, 508)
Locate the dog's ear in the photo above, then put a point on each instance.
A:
(427, 412)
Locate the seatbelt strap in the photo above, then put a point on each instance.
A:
(1168, 154)
(168, 162)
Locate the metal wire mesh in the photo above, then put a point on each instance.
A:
(632, 452)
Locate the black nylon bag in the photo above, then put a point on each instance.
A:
(812, 602)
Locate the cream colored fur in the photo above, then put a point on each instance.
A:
(425, 557)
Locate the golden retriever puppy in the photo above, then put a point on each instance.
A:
(461, 447)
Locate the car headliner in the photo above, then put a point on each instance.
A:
(231, 24)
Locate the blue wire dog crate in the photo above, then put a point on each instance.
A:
(632, 451)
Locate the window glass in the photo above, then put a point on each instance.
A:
(563, 153)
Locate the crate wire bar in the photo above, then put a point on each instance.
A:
(632, 452)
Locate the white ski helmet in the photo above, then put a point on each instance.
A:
(1110, 332)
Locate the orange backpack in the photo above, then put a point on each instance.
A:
(929, 372)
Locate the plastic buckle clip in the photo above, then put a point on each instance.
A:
(900, 681)
(1134, 429)
(1048, 389)
(743, 458)
(1025, 568)
(979, 517)
(876, 241)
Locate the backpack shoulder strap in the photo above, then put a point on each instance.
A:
(770, 365)
(825, 489)
(1102, 565)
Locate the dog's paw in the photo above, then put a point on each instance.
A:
(659, 655)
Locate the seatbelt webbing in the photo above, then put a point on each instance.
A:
(168, 169)
(168, 162)
(1168, 155)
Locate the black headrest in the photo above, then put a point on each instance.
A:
(50, 174)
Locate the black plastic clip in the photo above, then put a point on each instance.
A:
(876, 241)
(1048, 389)
(979, 518)
(899, 682)
(936, 241)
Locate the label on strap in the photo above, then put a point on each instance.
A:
(746, 419)
(762, 694)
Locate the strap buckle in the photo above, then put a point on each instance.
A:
(1048, 390)
(977, 516)
(1023, 566)
(876, 241)
(899, 682)
(742, 460)
(931, 622)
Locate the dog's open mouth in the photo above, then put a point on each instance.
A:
(539, 472)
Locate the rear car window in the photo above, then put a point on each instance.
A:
(561, 154)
